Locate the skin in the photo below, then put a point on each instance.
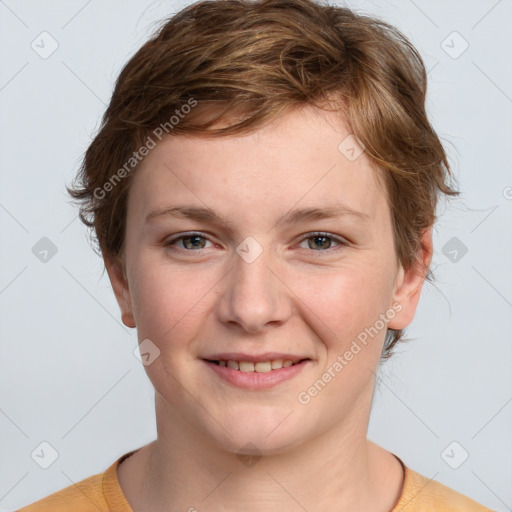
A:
(305, 296)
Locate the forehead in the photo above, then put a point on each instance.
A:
(306, 158)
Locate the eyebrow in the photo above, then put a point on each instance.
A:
(295, 216)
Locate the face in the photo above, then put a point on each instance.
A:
(268, 246)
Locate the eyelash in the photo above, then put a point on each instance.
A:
(340, 241)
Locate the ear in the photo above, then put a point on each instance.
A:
(410, 282)
(119, 282)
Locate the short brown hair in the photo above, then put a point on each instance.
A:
(253, 60)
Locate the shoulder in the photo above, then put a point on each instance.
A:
(97, 492)
(79, 497)
(423, 494)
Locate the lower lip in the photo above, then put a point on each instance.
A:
(256, 380)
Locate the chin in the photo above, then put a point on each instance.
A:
(257, 435)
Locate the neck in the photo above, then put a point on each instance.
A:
(184, 470)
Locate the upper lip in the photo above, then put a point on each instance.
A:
(240, 356)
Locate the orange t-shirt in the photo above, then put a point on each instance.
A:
(103, 492)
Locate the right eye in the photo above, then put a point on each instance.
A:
(191, 242)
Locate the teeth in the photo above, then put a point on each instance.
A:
(245, 366)
(233, 365)
(259, 367)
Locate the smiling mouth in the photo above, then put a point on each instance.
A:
(259, 367)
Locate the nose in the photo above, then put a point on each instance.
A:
(254, 295)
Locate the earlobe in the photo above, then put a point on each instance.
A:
(128, 320)
(119, 282)
(409, 284)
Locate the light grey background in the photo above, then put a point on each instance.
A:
(68, 375)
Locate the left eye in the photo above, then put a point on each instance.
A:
(321, 241)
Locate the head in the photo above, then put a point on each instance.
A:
(252, 109)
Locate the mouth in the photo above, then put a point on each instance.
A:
(256, 375)
(258, 366)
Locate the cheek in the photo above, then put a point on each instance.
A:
(343, 303)
(167, 303)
